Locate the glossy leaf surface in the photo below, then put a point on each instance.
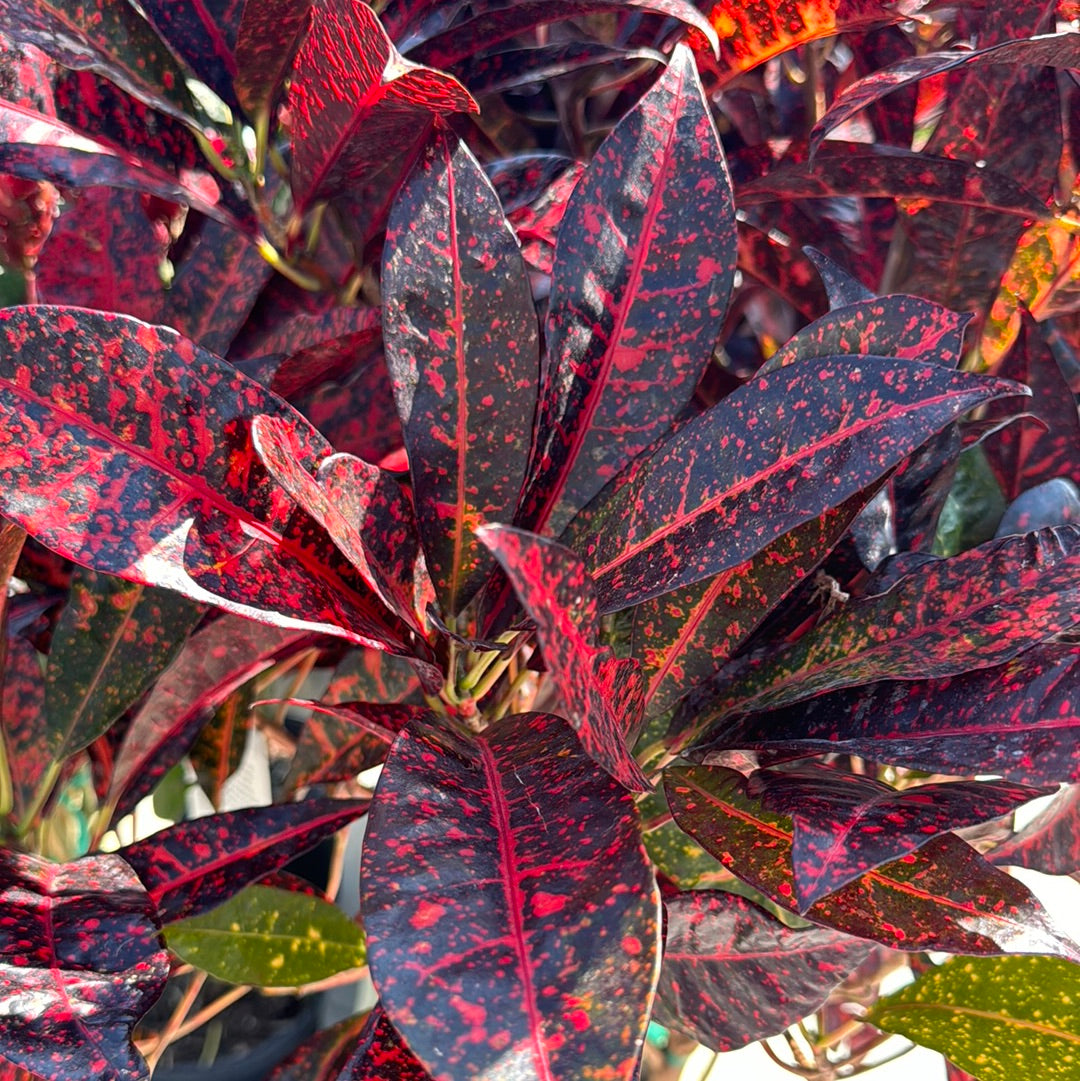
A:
(38, 147)
(357, 103)
(517, 863)
(645, 263)
(1023, 1008)
(268, 37)
(795, 430)
(977, 609)
(269, 938)
(733, 974)
(943, 897)
(381, 1053)
(1050, 842)
(321, 1057)
(846, 825)
(558, 595)
(111, 39)
(72, 995)
(194, 866)
(113, 640)
(216, 661)
(1019, 720)
(28, 757)
(462, 348)
(142, 438)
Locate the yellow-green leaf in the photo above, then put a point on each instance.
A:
(999, 1018)
(269, 938)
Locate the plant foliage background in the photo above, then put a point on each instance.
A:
(659, 422)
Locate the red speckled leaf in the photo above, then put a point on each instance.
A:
(202, 33)
(269, 35)
(105, 252)
(26, 76)
(1054, 50)
(846, 825)
(112, 641)
(356, 102)
(370, 676)
(80, 961)
(112, 39)
(1050, 842)
(1025, 454)
(322, 1057)
(896, 325)
(38, 147)
(943, 897)
(339, 741)
(22, 698)
(462, 348)
(446, 32)
(195, 866)
(523, 178)
(777, 452)
(558, 595)
(753, 33)
(892, 172)
(733, 974)
(214, 662)
(645, 262)
(978, 609)
(138, 440)
(219, 747)
(511, 912)
(537, 223)
(362, 508)
(683, 637)
(1019, 719)
(217, 279)
(380, 1054)
(783, 269)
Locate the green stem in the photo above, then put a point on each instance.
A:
(7, 792)
(285, 268)
(516, 684)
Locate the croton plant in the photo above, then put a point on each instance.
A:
(656, 425)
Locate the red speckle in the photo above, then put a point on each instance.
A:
(579, 1019)
(544, 904)
(631, 945)
(427, 915)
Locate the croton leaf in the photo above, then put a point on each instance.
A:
(363, 510)
(1052, 50)
(450, 34)
(269, 938)
(1019, 720)
(112, 641)
(878, 170)
(751, 34)
(896, 325)
(219, 747)
(945, 896)
(339, 741)
(356, 102)
(1050, 842)
(558, 595)
(80, 961)
(733, 974)
(38, 147)
(202, 33)
(511, 913)
(322, 1056)
(1023, 1008)
(782, 268)
(194, 866)
(268, 37)
(380, 1053)
(28, 758)
(1025, 454)
(462, 348)
(104, 252)
(112, 39)
(645, 263)
(976, 610)
(217, 278)
(846, 824)
(773, 454)
(685, 636)
(214, 662)
(371, 676)
(142, 439)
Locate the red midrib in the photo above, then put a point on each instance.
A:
(515, 908)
